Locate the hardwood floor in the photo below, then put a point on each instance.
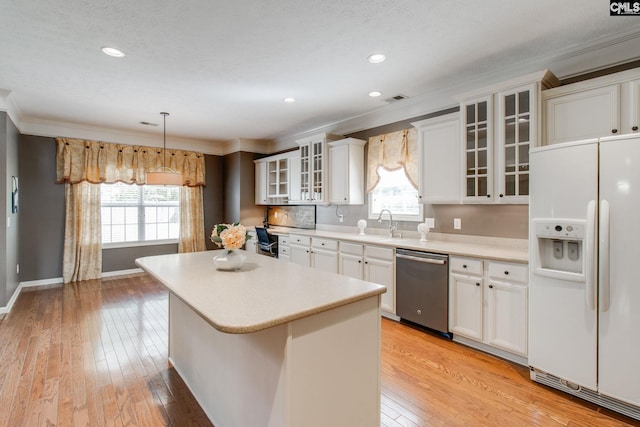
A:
(95, 353)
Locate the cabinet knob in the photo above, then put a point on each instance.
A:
(634, 128)
(359, 261)
(491, 286)
(614, 130)
(366, 262)
(488, 195)
(345, 199)
(506, 273)
(501, 195)
(464, 265)
(477, 283)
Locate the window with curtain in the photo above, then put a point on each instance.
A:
(392, 175)
(139, 214)
(133, 211)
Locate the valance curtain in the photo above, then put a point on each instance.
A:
(83, 165)
(97, 162)
(393, 151)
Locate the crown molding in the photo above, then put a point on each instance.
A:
(8, 104)
(50, 128)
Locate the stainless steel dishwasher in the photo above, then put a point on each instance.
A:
(422, 287)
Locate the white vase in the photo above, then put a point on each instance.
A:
(229, 260)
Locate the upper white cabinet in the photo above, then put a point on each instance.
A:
(440, 159)
(272, 179)
(346, 165)
(499, 125)
(312, 169)
(261, 182)
(595, 108)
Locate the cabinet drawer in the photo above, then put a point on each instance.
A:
(283, 240)
(324, 244)
(379, 252)
(351, 248)
(466, 266)
(296, 239)
(509, 271)
(283, 250)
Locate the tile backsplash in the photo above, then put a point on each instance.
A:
(292, 216)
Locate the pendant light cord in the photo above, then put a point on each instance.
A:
(164, 140)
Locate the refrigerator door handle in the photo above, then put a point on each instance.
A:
(590, 259)
(604, 256)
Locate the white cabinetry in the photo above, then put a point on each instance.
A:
(439, 148)
(593, 108)
(314, 252)
(312, 169)
(252, 243)
(261, 182)
(488, 305)
(499, 125)
(272, 179)
(372, 263)
(283, 247)
(346, 166)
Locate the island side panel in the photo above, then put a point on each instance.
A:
(238, 379)
(334, 367)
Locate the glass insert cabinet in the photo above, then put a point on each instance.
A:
(498, 131)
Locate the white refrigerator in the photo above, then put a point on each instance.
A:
(584, 289)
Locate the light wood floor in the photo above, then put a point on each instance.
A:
(95, 353)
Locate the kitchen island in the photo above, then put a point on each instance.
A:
(274, 343)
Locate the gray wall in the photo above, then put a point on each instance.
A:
(41, 231)
(239, 184)
(41, 210)
(213, 195)
(480, 220)
(9, 235)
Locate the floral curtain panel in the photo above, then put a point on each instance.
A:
(393, 151)
(191, 220)
(97, 162)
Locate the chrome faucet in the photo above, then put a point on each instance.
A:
(392, 228)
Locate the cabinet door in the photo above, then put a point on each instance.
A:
(339, 179)
(632, 122)
(516, 133)
(381, 272)
(589, 114)
(465, 306)
(351, 265)
(278, 178)
(305, 173)
(317, 149)
(324, 260)
(478, 149)
(261, 183)
(252, 243)
(295, 175)
(300, 255)
(507, 316)
(439, 147)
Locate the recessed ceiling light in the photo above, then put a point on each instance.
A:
(289, 100)
(375, 94)
(376, 58)
(112, 51)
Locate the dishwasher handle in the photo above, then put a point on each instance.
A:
(420, 259)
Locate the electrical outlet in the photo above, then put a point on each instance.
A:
(431, 222)
(457, 223)
(340, 218)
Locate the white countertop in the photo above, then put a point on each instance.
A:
(511, 250)
(264, 293)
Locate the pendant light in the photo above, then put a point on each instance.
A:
(164, 175)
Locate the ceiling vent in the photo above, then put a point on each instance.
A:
(396, 98)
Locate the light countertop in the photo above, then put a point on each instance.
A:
(500, 249)
(265, 292)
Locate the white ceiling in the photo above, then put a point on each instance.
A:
(222, 68)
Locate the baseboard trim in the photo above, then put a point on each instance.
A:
(122, 272)
(41, 282)
(6, 309)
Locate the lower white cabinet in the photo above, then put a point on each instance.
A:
(371, 263)
(283, 247)
(488, 303)
(314, 252)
